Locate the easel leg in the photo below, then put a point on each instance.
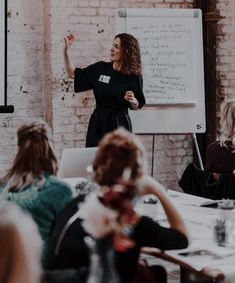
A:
(198, 151)
(153, 150)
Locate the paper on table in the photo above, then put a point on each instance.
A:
(200, 257)
(200, 222)
(192, 213)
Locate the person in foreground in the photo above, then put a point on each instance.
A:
(119, 170)
(117, 86)
(31, 181)
(220, 156)
(108, 212)
(20, 246)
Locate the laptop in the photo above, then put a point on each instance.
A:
(74, 162)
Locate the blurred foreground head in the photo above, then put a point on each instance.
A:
(20, 246)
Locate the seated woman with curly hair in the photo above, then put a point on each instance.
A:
(119, 171)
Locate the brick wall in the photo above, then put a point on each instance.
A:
(225, 63)
(38, 87)
(25, 72)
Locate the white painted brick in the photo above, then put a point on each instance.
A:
(86, 12)
(83, 3)
(80, 20)
(99, 20)
(94, 3)
(105, 12)
(33, 70)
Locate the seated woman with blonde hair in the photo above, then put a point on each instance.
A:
(20, 246)
(31, 181)
(221, 154)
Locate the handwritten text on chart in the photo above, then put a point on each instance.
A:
(167, 59)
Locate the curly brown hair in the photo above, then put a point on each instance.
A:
(131, 64)
(117, 151)
(34, 157)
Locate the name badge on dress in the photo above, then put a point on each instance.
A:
(104, 79)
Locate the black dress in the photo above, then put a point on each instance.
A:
(109, 87)
(220, 159)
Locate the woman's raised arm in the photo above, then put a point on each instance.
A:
(69, 39)
(148, 185)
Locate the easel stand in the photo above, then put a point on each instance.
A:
(153, 155)
(197, 150)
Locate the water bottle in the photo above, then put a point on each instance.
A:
(220, 232)
(224, 227)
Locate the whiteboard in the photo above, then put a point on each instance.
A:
(172, 59)
(2, 52)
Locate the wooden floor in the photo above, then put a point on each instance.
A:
(173, 270)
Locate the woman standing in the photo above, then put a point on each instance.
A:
(117, 86)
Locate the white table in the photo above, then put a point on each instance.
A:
(200, 222)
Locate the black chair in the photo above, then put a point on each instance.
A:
(202, 183)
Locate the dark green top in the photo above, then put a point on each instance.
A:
(109, 87)
(44, 200)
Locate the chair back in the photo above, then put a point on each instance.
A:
(201, 183)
